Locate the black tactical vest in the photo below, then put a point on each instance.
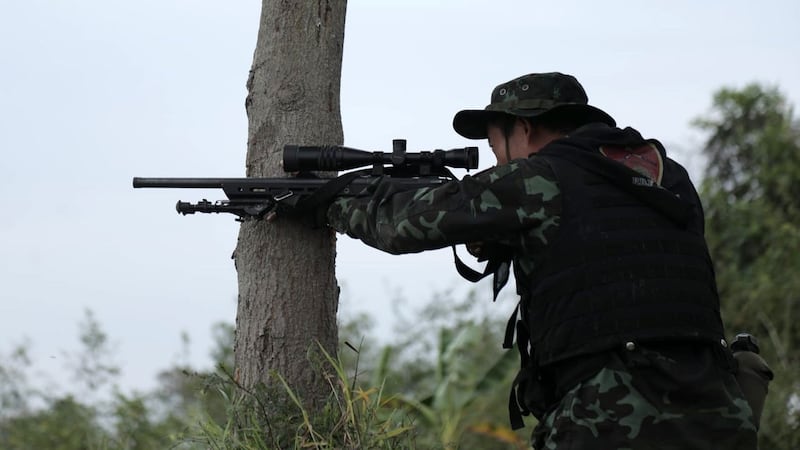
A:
(630, 262)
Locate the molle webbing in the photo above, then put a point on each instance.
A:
(621, 269)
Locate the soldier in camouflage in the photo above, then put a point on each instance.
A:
(618, 325)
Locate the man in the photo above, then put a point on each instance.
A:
(619, 328)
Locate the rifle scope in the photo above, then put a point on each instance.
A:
(306, 158)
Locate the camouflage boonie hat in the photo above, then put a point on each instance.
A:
(535, 94)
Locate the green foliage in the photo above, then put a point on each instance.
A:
(14, 388)
(136, 427)
(442, 387)
(64, 422)
(65, 425)
(460, 398)
(450, 372)
(751, 194)
(35, 419)
(273, 417)
(93, 367)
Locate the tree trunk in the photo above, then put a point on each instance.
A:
(288, 295)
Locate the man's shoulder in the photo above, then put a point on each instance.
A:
(529, 167)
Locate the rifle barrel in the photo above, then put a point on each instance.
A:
(200, 183)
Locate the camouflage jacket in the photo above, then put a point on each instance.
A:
(516, 206)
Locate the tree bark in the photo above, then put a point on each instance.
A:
(288, 296)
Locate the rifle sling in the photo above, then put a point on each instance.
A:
(325, 194)
(497, 266)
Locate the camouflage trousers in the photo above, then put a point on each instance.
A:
(658, 398)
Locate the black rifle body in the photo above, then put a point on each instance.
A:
(254, 198)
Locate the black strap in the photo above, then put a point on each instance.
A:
(467, 272)
(514, 413)
(527, 374)
(314, 206)
(499, 267)
(508, 341)
(325, 193)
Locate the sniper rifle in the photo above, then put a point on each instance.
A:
(257, 198)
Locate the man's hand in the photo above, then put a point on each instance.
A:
(476, 249)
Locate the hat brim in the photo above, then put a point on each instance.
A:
(473, 123)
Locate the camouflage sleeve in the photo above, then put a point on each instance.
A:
(506, 204)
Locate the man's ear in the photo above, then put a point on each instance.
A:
(527, 128)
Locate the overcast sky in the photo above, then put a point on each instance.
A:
(95, 92)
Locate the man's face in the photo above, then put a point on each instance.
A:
(514, 146)
(523, 141)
